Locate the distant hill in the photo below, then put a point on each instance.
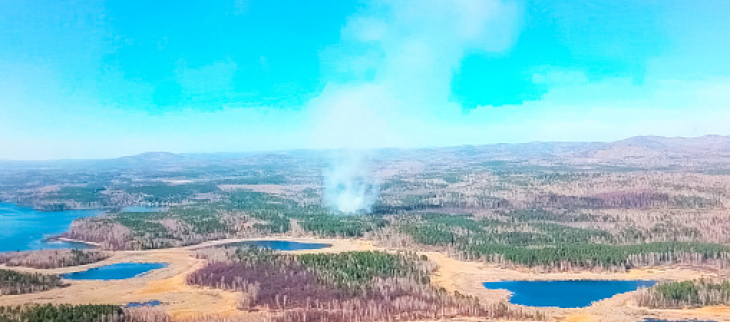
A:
(680, 145)
(639, 151)
(153, 157)
(658, 151)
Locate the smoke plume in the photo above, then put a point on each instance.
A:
(391, 82)
(349, 185)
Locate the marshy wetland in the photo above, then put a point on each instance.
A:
(248, 240)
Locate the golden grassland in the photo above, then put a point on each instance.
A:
(183, 301)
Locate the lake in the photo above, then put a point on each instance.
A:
(141, 209)
(24, 228)
(282, 245)
(565, 294)
(143, 304)
(119, 271)
(654, 320)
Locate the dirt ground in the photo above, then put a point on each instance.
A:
(183, 301)
(467, 278)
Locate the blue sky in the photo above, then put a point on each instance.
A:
(97, 79)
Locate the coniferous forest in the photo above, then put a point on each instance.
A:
(354, 286)
(549, 211)
(79, 313)
(365, 161)
(52, 258)
(12, 283)
(686, 294)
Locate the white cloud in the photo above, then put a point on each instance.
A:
(609, 110)
(412, 49)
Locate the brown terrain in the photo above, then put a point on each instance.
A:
(183, 301)
(639, 190)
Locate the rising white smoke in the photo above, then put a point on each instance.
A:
(350, 187)
(403, 55)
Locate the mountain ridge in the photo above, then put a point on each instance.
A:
(636, 147)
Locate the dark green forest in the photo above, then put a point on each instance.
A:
(12, 282)
(686, 294)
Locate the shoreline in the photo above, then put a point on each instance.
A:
(183, 301)
(70, 240)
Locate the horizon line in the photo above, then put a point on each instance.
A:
(361, 149)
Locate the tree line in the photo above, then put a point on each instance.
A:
(80, 313)
(45, 259)
(13, 283)
(353, 286)
(550, 245)
(701, 292)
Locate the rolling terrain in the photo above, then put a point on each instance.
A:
(440, 222)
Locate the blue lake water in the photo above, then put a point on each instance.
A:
(119, 271)
(141, 209)
(565, 294)
(653, 320)
(143, 304)
(24, 228)
(283, 245)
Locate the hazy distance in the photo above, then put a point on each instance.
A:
(107, 79)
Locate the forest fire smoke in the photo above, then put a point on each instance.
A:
(349, 187)
(398, 70)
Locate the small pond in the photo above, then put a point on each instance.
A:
(117, 271)
(655, 320)
(143, 304)
(282, 245)
(141, 209)
(565, 294)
